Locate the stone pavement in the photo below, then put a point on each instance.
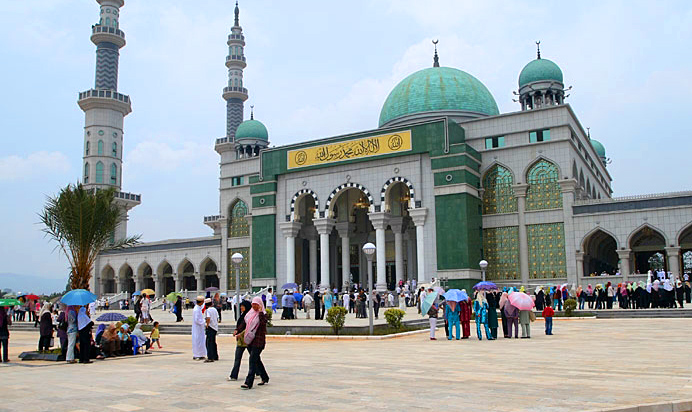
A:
(587, 365)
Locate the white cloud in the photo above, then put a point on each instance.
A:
(36, 164)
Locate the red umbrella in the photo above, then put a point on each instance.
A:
(521, 301)
(29, 297)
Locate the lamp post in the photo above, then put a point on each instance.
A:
(237, 258)
(369, 250)
(483, 264)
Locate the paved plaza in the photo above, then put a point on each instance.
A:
(587, 365)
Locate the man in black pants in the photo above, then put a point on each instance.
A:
(318, 304)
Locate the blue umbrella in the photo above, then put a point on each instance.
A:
(111, 317)
(298, 297)
(135, 294)
(455, 295)
(485, 286)
(290, 286)
(78, 297)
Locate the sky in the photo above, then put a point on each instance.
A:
(315, 69)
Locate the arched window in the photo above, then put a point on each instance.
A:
(115, 23)
(108, 21)
(544, 189)
(114, 173)
(99, 172)
(86, 172)
(237, 224)
(498, 196)
(235, 82)
(115, 149)
(87, 148)
(100, 148)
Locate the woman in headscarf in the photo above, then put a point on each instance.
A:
(241, 347)
(5, 322)
(493, 301)
(84, 324)
(557, 298)
(540, 298)
(480, 307)
(589, 296)
(688, 292)
(680, 293)
(610, 294)
(655, 294)
(512, 314)
(581, 297)
(452, 319)
(668, 300)
(505, 324)
(143, 340)
(255, 338)
(46, 327)
(465, 317)
(110, 343)
(62, 329)
(178, 309)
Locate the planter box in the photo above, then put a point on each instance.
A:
(34, 355)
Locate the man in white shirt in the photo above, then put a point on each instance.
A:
(199, 350)
(212, 320)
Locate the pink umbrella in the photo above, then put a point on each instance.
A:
(521, 301)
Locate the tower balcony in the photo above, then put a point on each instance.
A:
(105, 99)
(224, 144)
(101, 34)
(235, 60)
(238, 39)
(216, 223)
(127, 200)
(235, 92)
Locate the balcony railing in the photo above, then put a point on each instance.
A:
(105, 29)
(107, 94)
(128, 196)
(235, 57)
(214, 218)
(222, 140)
(236, 37)
(631, 198)
(235, 89)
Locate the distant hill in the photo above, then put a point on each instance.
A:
(31, 283)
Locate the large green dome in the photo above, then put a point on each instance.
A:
(251, 129)
(540, 69)
(438, 88)
(599, 148)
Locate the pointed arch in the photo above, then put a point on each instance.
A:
(99, 172)
(142, 269)
(684, 236)
(544, 189)
(346, 186)
(388, 184)
(498, 193)
(204, 265)
(575, 171)
(594, 231)
(633, 237)
(186, 266)
(295, 200)
(581, 179)
(600, 252)
(86, 172)
(237, 222)
(162, 268)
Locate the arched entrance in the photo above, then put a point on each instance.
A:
(646, 243)
(188, 273)
(127, 279)
(209, 269)
(165, 273)
(303, 210)
(600, 254)
(685, 242)
(147, 275)
(108, 280)
(398, 195)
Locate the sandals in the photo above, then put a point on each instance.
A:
(244, 386)
(262, 383)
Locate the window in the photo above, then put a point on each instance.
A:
(539, 136)
(100, 148)
(114, 173)
(546, 251)
(86, 172)
(544, 190)
(494, 142)
(498, 196)
(237, 224)
(87, 148)
(99, 172)
(237, 181)
(501, 250)
(115, 149)
(108, 21)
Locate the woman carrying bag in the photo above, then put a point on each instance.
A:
(239, 335)
(255, 338)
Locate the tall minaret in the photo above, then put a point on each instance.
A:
(235, 94)
(104, 110)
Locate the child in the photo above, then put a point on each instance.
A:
(155, 337)
(548, 314)
(432, 314)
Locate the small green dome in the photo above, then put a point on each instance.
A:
(599, 148)
(251, 129)
(540, 69)
(438, 88)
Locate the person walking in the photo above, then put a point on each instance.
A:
(255, 338)
(199, 350)
(241, 346)
(5, 322)
(307, 304)
(212, 329)
(548, 314)
(540, 298)
(84, 325)
(501, 304)
(432, 315)
(480, 307)
(376, 303)
(465, 317)
(62, 330)
(493, 302)
(452, 310)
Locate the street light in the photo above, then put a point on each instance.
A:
(369, 250)
(237, 259)
(483, 264)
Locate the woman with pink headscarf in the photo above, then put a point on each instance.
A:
(255, 338)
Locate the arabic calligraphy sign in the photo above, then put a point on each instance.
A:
(350, 149)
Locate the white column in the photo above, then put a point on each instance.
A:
(290, 231)
(409, 256)
(157, 286)
(624, 256)
(344, 229)
(397, 224)
(418, 215)
(200, 282)
(380, 221)
(178, 282)
(520, 192)
(673, 254)
(313, 261)
(138, 283)
(580, 266)
(324, 228)
(118, 285)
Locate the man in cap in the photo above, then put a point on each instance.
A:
(212, 320)
(199, 350)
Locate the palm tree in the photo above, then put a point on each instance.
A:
(83, 222)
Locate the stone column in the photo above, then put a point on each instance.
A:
(157, 286)
(324, 228)
(520, 191)
(344, 229)
(138, 283)
(200, 282)
(624, 256)
(418, 215)
(379, 221)
(409, 256)
(673, 254)
(102, 287)
(580, 266)
(398, 224)
(290, 231)
(178, 282)
(118, 284)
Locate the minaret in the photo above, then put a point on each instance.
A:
(235, 94)
(104, 110)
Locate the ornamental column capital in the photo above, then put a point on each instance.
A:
(624, 253)
(520, 189)
(345, 229)
(290, 229)
(418, 215)
(379, 220)
(324, 225)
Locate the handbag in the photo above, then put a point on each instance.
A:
(532, 316)
(240, 340)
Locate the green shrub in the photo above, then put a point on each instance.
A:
(336, 316)
(268, 311)
(131, 322)
(570, 306)
(393, 317)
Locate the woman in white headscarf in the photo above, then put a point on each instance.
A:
(45, 327)
(141, 338)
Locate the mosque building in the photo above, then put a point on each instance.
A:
(444, 181)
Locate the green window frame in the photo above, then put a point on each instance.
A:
(100, 148)
(237, 181)
(115, 149)
(544, 190)
(542, 135)
(501, 250)
(87, 148)
(114, 173)
(498, 194)
(86, 172)
(243, 267)
(494, 142)
(547, 259)
(99, 172)
(237, 223)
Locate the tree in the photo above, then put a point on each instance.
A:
(82, 222)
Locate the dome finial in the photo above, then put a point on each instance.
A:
(588, 132)
(538, 49)
(252, 112)
(436, 60)
(237, 12)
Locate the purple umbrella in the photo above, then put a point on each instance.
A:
(485, 286)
